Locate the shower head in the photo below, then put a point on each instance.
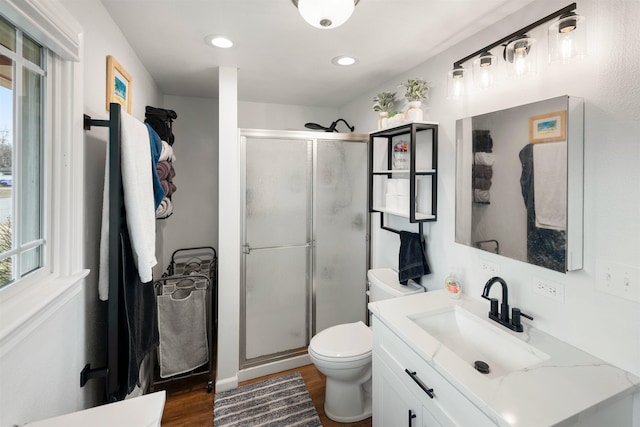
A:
(331, 128)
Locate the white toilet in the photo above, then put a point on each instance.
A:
(343, 353)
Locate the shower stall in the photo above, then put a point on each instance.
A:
(304, 239)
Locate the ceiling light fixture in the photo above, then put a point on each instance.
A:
(344, 61)
(218, 41)
(520, 52)
(325, 14)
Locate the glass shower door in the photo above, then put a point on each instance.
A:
(277, 247)
(340, 233)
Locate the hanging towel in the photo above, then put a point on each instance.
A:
(412, 262)
(183, 334)
(103, 268)
(137, 184)
(549, 185)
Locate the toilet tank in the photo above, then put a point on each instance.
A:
(384, 284)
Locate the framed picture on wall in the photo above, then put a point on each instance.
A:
(548, 127)
(119, 84)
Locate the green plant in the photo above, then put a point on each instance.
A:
(384, 101)
(416, 89)
(393, 113)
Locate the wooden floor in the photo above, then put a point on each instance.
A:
(192, 406)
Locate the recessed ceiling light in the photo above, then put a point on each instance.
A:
(344, 61)
(218, 41)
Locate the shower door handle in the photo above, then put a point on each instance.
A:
(246, 249)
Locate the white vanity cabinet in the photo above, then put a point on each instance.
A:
(403, 382)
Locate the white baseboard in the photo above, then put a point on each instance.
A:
(225, 384)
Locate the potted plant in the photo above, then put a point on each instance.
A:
(417, 90)
(383, 103)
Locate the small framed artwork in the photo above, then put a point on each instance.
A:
(548, 127)
(118, 84)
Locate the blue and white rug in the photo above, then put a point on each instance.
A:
(280, 401)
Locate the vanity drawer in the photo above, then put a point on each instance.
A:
(445, 402)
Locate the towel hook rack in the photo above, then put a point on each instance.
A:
(393, 230)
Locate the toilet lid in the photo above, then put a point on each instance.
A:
(347, 340)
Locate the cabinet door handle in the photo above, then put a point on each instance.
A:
(418, 381)
(411, 417)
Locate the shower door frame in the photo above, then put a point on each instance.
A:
(312, 138)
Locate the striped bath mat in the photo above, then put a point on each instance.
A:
(280, 401)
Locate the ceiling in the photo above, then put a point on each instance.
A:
(283, 60)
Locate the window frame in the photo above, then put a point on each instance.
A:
(20, 64)
(30, 300)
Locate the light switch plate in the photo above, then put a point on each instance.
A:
(618, 279)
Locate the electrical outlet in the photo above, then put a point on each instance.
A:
(490, 268)
(549, 289)
(618, 279)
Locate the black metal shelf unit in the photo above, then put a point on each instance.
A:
(412, 130)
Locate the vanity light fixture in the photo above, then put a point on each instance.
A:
(456, 82)
(484, 70)
(567, 38)
(520, 51)
(218, 41)
(325, 14)
(521, 56)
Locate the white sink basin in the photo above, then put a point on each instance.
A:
(473, 339)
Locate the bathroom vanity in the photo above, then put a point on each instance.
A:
(424, 351)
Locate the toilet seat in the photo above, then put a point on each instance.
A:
(346, 342)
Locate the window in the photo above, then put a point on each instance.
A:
(41, 112)
(22, 147)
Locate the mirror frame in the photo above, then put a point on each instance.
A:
(575, 182)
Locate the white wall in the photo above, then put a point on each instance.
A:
(194, 221)
(604, 325)
(45, 367)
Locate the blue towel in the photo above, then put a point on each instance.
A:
(156, 149)
(412, 262)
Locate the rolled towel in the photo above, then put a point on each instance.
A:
(482, 171)
(478, 183)
(483, 159)
(481, 196)
(166, 187)
(165, 209)
(167, 152)
(164, 170)
(172, 172)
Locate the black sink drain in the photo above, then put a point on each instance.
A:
(481, 366)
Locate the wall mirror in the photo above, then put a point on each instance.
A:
(519, 182)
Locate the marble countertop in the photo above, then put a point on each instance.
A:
(552, 392)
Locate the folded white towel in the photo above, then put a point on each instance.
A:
(137, 184)
(550, 184)
(167, 152)
(482, 158)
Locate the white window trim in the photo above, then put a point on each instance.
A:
(27, 303)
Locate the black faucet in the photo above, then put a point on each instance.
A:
(502, 316)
